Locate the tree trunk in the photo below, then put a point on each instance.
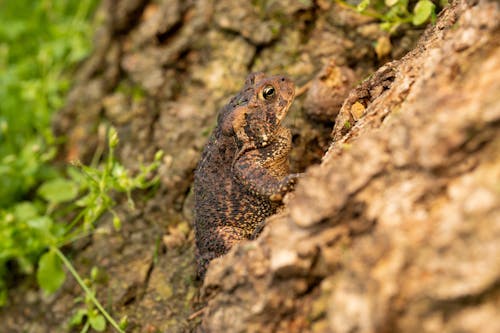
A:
(398, 229)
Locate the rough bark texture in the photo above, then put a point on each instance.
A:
(396, 227)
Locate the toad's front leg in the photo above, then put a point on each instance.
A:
(250, 171)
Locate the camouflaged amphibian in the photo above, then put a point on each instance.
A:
(243, 173)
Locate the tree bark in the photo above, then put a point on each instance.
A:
(398, 229)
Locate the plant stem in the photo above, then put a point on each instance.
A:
(75, 220)
(85, 327)
(87, 291)
(70, 238)
(366, 12)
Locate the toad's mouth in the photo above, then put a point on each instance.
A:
(283, 111)
(285, 104)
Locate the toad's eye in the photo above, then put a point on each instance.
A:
(268, 92)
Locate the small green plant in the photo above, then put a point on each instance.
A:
(87, 195)
(32, 238)
(42, 207)
(39, 44)
(92, 314)
(393, 13)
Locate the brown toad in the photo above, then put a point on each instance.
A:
(244, 170)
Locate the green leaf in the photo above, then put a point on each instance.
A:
(159, 155)
(117, 223)
(50, 274)
(386, 26)
(77, 318)
(25, 264)
(362, 5)
(94, 273)
(123, 322)
(97, 322)
(76, 175)
(43, 223)
(46, 231)
(422, 11)
(58, 190)
(112, 137)
(25, 211)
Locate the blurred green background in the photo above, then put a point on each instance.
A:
(41, 43)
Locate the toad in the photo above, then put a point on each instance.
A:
(243, 172)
